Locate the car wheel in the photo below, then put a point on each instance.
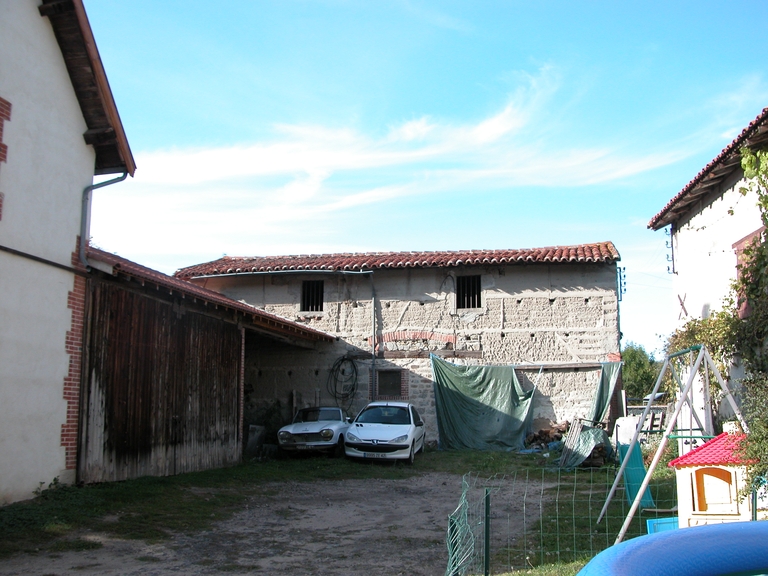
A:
(411, 456)
(338, 452)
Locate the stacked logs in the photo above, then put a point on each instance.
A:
(553, 433)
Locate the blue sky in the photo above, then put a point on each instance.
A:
(288, 127)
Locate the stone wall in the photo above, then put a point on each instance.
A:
(533, 314)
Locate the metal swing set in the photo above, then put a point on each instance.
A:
(703, 361)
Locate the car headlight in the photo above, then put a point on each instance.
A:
(399, 439)
(352, 438)
(326, 433)
(284, 436)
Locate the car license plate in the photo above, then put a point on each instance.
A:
(301, 447)
(373, 455)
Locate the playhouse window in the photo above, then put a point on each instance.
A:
(715, 491)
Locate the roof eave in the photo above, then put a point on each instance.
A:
(724, 164)
(56, 17)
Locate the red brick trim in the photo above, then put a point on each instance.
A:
(5, 114)
(2, 197)
(373, 392)
(74, 347)
(414, 335)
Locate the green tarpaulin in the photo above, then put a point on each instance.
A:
(609, 374)
(589, 437)
(480, 407)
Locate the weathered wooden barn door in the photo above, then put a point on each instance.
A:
(160, 393)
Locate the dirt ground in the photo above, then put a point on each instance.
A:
(349, 527)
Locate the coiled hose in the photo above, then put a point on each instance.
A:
(342, 382)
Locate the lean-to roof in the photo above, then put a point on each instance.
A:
(259, 319)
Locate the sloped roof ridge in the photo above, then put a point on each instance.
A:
(658, 221)
(598, 252)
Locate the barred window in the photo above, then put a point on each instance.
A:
(312, 296)
(468, 292)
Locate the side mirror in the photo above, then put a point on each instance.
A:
(349, 420)
(419, 423)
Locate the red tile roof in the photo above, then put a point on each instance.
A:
(723, 450)
(600, 252)
(261, 320)
(713, 173)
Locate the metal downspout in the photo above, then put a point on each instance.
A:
(84, 213)
(373, 339)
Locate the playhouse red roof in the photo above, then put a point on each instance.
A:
(599, 252)
(721, 450)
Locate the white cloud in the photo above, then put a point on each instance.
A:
(298, 187)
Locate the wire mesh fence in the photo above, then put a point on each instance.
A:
(542, 516)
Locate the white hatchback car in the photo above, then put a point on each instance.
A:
(319, 429)
(388, 430)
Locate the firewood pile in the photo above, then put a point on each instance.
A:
(597, 458)
(553, 433)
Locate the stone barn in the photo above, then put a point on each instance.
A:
(552, 312)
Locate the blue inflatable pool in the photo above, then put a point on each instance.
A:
(737, 548)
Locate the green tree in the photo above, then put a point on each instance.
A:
(639, 372)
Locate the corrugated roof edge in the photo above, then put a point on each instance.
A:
(261, 318)
(657, 222)
(600, 252)
(723, 450)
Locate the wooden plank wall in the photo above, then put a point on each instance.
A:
(161, 390)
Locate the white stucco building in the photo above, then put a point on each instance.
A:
(58, 128)
(710, 221)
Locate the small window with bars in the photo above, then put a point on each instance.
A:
(468, 292)
(312, 296)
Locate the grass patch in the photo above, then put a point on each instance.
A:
(567, 569)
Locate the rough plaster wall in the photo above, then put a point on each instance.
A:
(530, 314)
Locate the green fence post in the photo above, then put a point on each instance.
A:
(487, 543)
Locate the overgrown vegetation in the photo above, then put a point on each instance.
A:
(740, 329)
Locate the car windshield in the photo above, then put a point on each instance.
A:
(318, 414)
(384, 415)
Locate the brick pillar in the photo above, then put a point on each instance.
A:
(74, 347)
(5, 114)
